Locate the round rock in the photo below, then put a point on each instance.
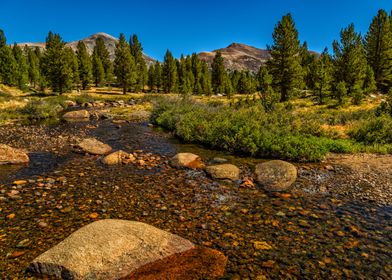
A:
(95, 147)
(224, 171)
(276, 175)
(76, 115)
(9, 155)
(187, 160)
(115, 158)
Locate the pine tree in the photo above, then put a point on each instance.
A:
(378, 47)
(102, 52)
(235, 77)
(85, 65)
(205, 79)
(197, 73)
(219, 75)
(73, 61)
(124, 64)
(141, 67)
(369, 83)
(169, 73)
(285, 64)
(321, 71)
(158, 76)
(97, 70)
(185, 75)
(33, 63)
(268, 96)
(307, 59)
(349, 59)
(8, 65)
(21, 73)
(57, 64)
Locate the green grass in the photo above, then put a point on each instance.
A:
(283, 133)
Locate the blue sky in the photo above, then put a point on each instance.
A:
(185, 26)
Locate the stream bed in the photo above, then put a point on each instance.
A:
(300, 235)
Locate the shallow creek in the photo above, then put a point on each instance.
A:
(265, 236)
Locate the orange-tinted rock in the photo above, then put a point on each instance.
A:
(197, 263)
(187, 160)
(9, 155)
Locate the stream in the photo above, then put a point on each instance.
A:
(264, 235)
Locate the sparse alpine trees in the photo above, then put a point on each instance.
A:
(349, 60)
(21, 73)
(285, 64)
(378, 47)
(33, 62)
(84, 65)
(169, 74)
(124, 64)
(141, 67)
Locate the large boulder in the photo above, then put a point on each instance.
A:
(187, 160)
(95, 147)
(9, 155)
(117, 158)
(224, 171)
(76, 115)
(276, 175)
(108, 249)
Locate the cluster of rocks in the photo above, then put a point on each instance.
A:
(274, 175)
(101, 104)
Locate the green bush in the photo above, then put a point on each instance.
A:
(376, 130)
(43, 108)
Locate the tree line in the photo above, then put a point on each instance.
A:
(359, 65)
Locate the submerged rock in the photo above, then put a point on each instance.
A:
(108, 249)
(76, 115)
(117, 158)
(224, 171)
(9, 155)
(95, 147)
(276, 175)
(187, 160)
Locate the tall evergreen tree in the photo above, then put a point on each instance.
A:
(141, 67)
(158, 76)
(102, 52)
(84, 65)
(169, 73)
(33, 62)
(307, 59)
(268, 96)
(21, 73)
(219, 75)
(205, 79)
(349, 59)
(185, 75)
(98, 71)
(378, 46)
(8, 65)
(57, 64)
(321, 71)
(124, 64)
(285, 64)
(197, 73)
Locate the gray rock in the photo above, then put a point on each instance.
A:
(276, 175)
(95, 147)
(224, 171)
(187, 160)
(108, 249)
(219, 160)
(9, 155)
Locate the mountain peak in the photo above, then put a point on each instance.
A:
(102, 35)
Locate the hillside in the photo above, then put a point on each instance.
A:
(109, 40)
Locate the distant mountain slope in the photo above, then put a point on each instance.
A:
(110, 43)
(240, 57)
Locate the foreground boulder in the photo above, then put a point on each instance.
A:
(117, 158)
(76, 115)
(9, 155)
(95, 147)
(187, 160)
(224, 171)
(276, 175)
(109, 249)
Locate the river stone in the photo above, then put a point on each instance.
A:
(115, 158)
(108, 249)
(70, 103)
(95, 147)
(224, 171)
(188, 160)
(276, 175)
(76, 115)
(9, 155)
